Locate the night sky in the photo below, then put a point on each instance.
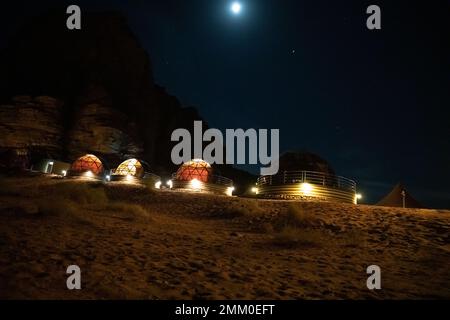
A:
(375, 104)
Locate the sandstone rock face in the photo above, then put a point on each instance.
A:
(103, 75)
(102, 131)
(33, 124)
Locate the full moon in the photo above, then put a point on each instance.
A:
(236, 7)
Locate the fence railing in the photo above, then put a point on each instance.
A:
(312, 177)
(213, 179)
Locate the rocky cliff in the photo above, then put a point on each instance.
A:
(31, 125)
(102, 76)
(67, 93)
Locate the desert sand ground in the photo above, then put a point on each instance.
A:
(134, 243)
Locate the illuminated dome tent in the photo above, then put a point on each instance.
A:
(197, 175)
(306, 176)
(133, 170)
(194, 169)
(87, 166)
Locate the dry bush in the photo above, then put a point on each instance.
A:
(352, 239)
(124, 211)
(297, 227)
(80, 193)
(296, 217)
(293, 237)
(236, 210)
(57, 207)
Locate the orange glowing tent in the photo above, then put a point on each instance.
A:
(87, 163)
(194, 169)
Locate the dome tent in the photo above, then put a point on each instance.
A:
(88, 165)
(306, 176)
(134, 170)
(194, 169)
(399, 197)
(197, 175)
(130, 167)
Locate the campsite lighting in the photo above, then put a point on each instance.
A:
(196, 184)
(358, 196)
(64, 173)
(230, 191)
(169, 184)
(306, 188)
(89, 174)
(158, 185)
(255, 190)
(108, 178)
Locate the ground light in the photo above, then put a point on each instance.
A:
(196, 184)
(358, 196)
(158, 185)
(230, 191)
(306, 188)
(169, 184)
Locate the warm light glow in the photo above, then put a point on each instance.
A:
(130, 167)
(64, 173)
(306, 188)
(158, 185)
(108, 178)
(196, 184)
(255, 190)
(230, 191)
(359, 196)
(129, 177)
(169, 184)
(236, 7)
(89, 174)
(51, 163)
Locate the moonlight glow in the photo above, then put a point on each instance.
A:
(236, 7)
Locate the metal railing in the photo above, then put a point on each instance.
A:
(312, 177)
(213, 179)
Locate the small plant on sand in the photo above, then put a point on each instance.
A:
(126, 211)
(297, 227)
(292, 237)
(82, 193)
(296, 217)
(236, 210)
(57, 207)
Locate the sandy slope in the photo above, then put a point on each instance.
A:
(133, 243)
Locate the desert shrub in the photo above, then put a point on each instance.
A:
(351, 239)
(236, 210)
(296, 217)
(124, 211)
(291, 237)
(81, 193)
(57, 207)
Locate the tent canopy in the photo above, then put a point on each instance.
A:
(395, 198)
(194, 169)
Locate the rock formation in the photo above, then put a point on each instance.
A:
(103, 75)
(30, 128)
